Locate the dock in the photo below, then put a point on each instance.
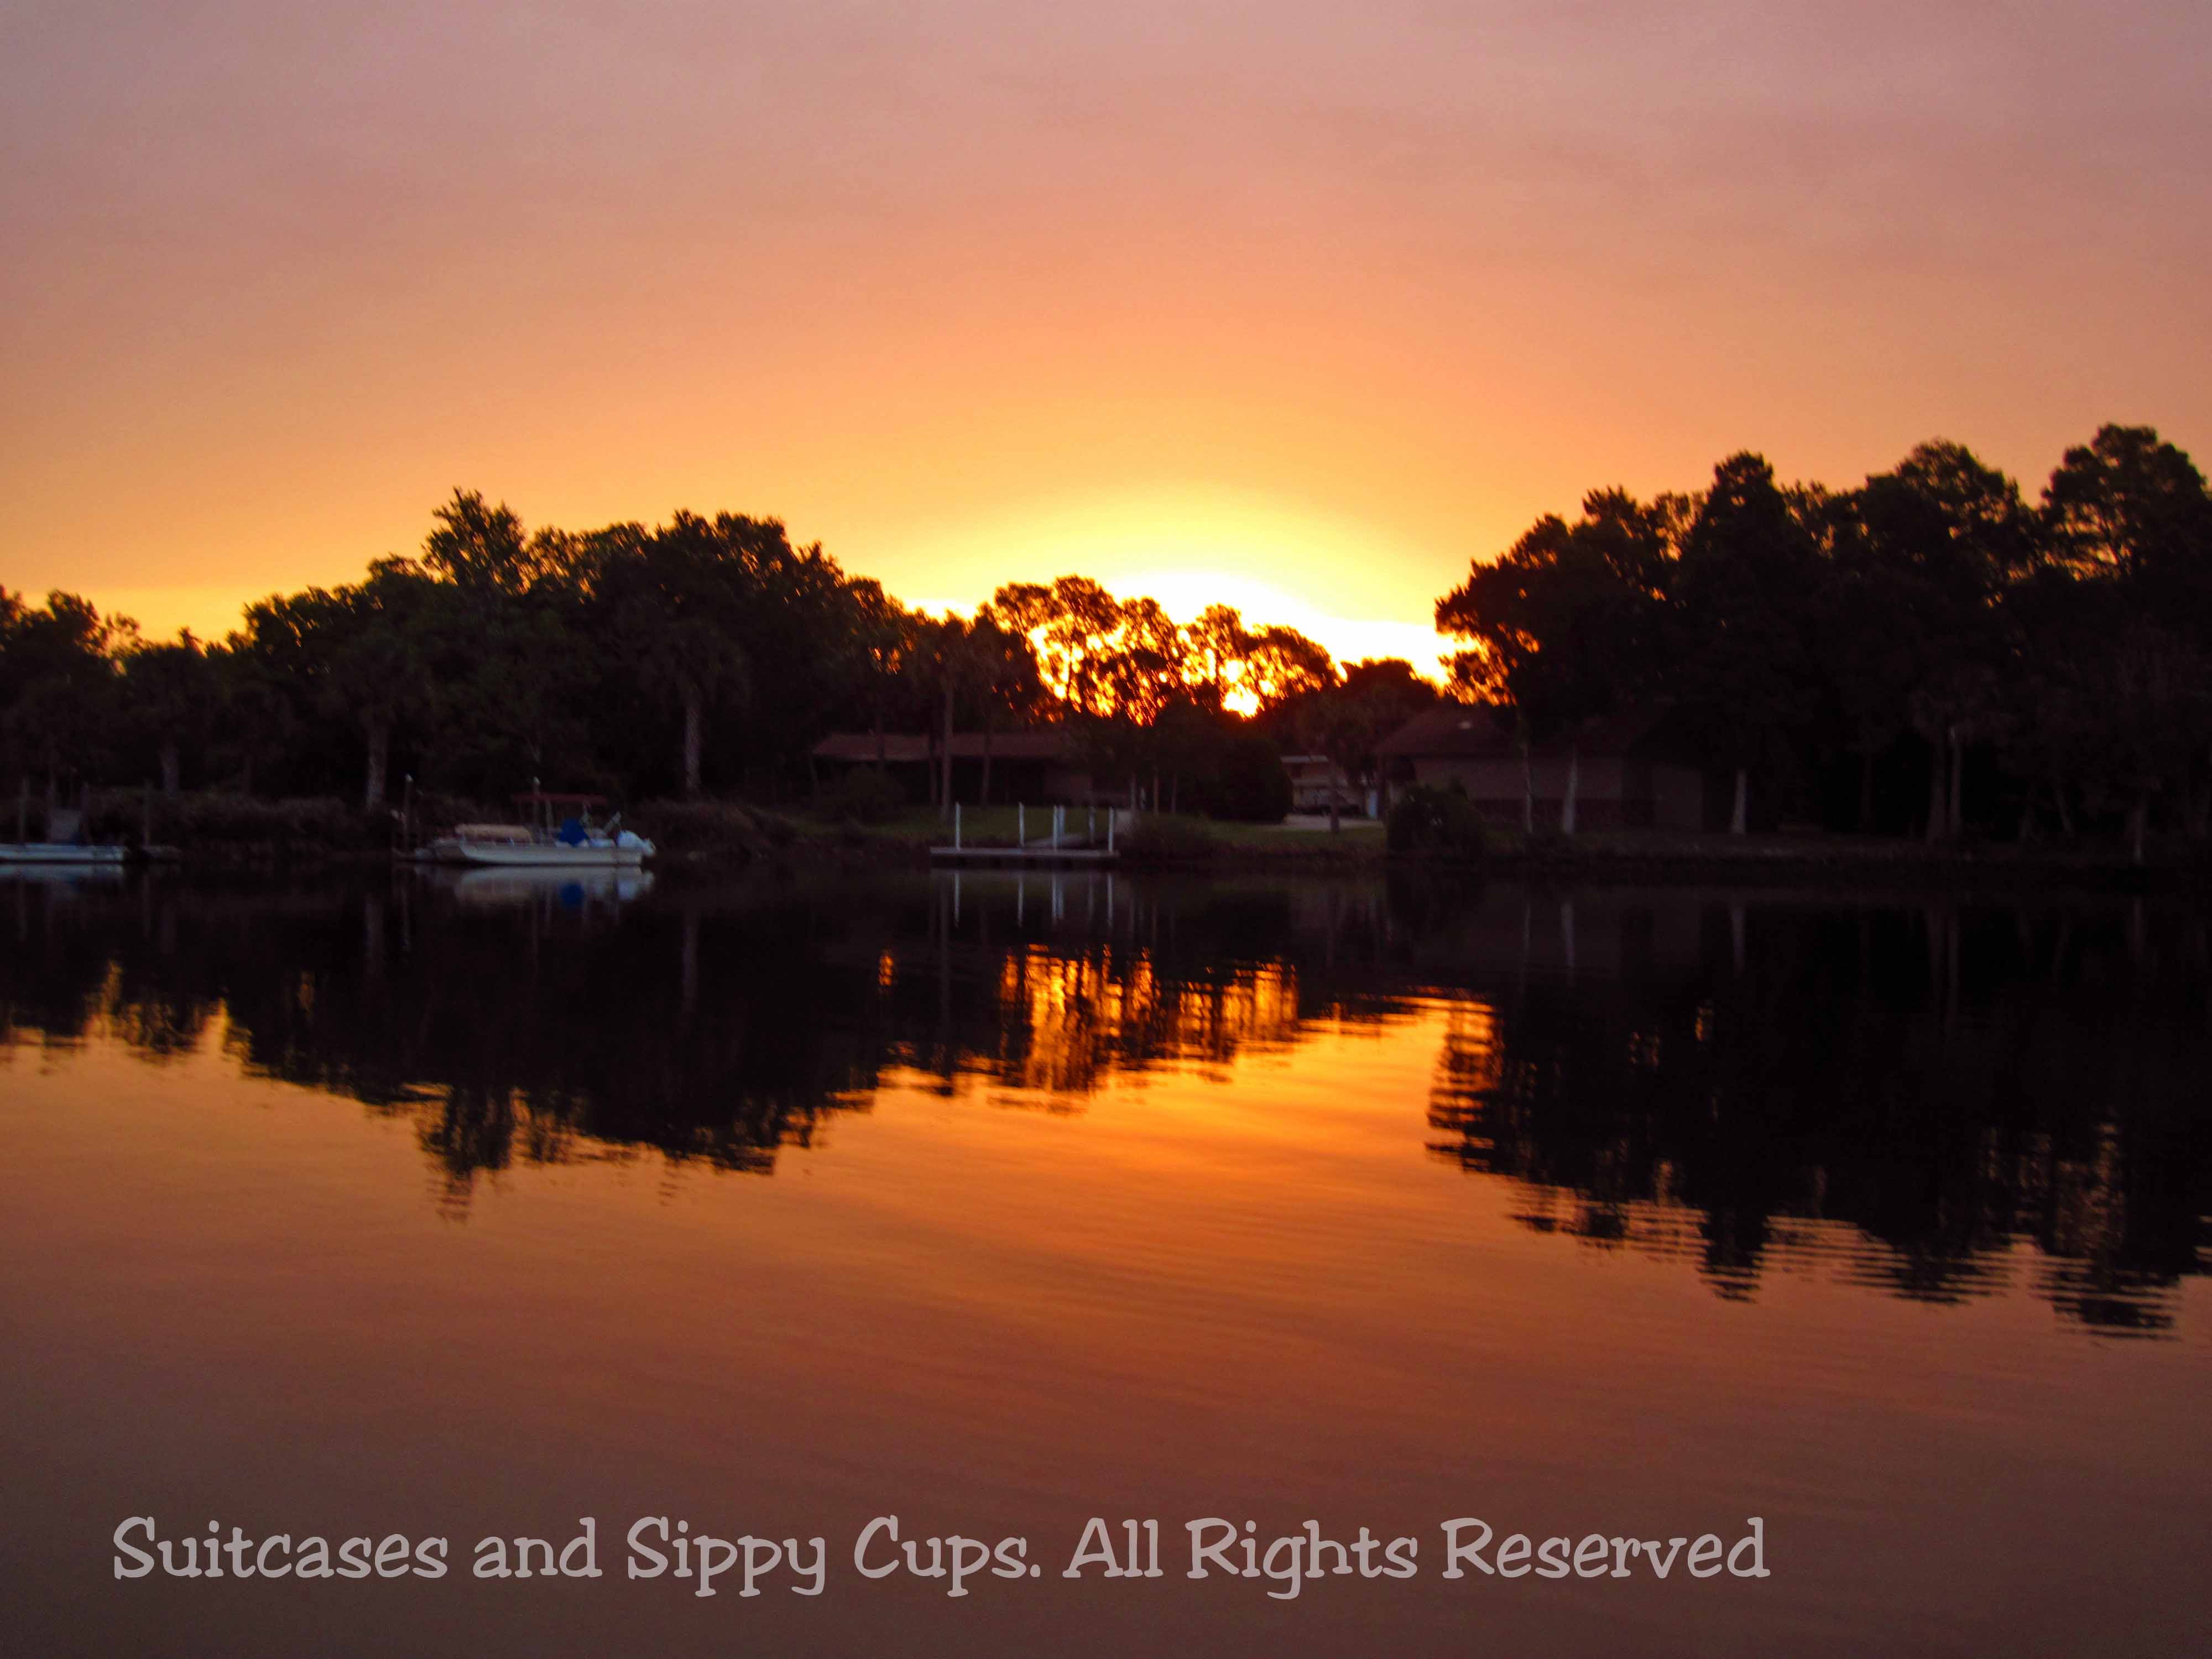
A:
(1037, 854)
(1054, 847)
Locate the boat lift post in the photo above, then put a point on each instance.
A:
(1021, 822)
(956, 826)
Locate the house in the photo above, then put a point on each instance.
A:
(1033, 766)
(1315, 778)
(1629, 775)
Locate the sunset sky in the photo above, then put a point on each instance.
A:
(1299, 306)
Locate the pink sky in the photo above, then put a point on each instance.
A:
(1295, 304)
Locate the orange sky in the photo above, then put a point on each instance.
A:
(1294, 305)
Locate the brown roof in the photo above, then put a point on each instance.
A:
(1450, 728)
(1469, 732)
(907, 747)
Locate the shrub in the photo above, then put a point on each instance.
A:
(232, 828)
(1251, 786)
(1436, 823)
(1547, 842)
(1164, 837)
(435, 813)
(709, 828)
(863, 795)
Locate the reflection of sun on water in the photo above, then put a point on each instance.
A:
(1080, 1016)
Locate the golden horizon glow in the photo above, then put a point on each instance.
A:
(1189, 549)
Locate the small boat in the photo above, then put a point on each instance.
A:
(573, 842)
(60, 852)
(66, 844)
(497, 844)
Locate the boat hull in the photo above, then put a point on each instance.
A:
(550, 858)
(40, 852)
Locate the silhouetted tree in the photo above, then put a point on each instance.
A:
(682, 659)
(60, 708)
(174, 698)
(1744, 596)
(2130, 504)
(484, 547)
(1566, 624)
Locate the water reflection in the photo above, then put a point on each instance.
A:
(1934, 1100)
(1951, 1083)
(515, 889)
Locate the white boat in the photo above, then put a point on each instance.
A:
(623, 851)
(64, 844)
(59, 852)
(574, 843)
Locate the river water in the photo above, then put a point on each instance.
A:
(480, 1209)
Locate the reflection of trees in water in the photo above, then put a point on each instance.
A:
(1897, 1098)
(544, 1036)
(1063, 1022)
(1901, 1098)
(716, 1030)
(63, 978)
(532, 1035)
(1047, 986)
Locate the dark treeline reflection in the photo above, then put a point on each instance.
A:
(1938, 1100)
(1949, 1080)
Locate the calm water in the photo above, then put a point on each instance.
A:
(467, 1208)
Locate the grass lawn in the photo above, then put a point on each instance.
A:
(1355, 835)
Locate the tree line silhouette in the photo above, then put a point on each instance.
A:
(699, 653)
(1926, 654)
(2038, 665)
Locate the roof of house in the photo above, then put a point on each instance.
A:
(909, 747)
(1469, 731)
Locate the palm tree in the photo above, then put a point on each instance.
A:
(172, 694)
(688, 661)
(881, 641)
(1345, 724)
(950, 666)
(378, 676)
(1006, 679)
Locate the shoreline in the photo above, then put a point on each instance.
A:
(231, 834)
